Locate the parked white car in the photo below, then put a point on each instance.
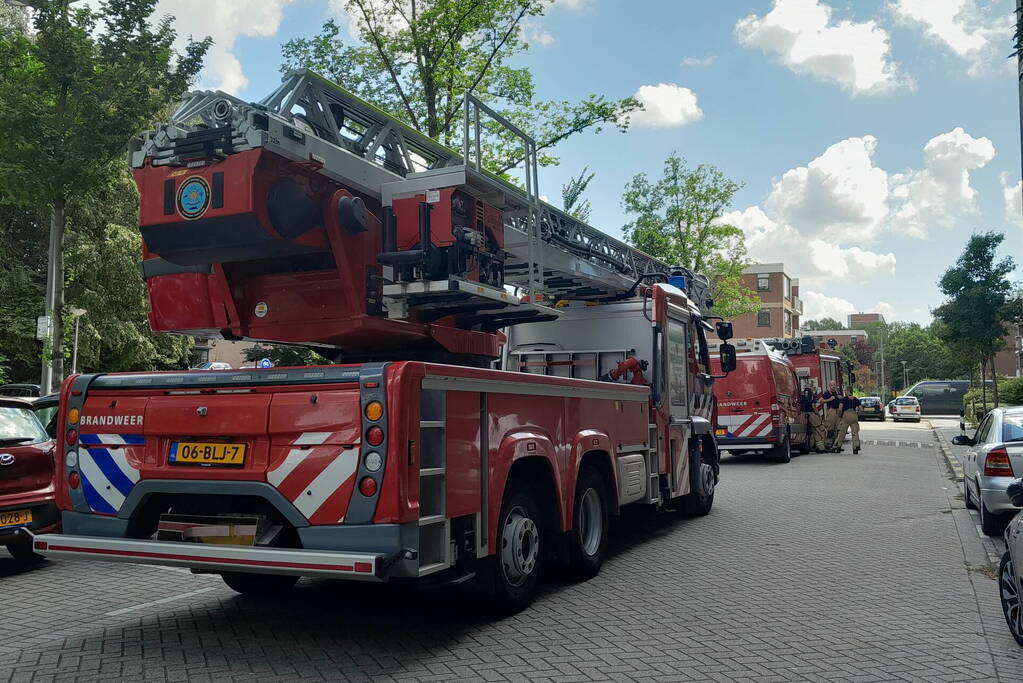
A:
(994, 460)
(905, 408)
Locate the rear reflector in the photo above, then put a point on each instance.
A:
(368, 487)
(364, 567)
(41, 545)
(74, 480)
(997, 464)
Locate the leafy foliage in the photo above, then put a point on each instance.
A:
(821, 324)
(71, 94)
(979, 299)
(284, 355)
(572, 193)
(417, 58)
(678, 220)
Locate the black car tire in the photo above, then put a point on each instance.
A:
(1008, 590)
(990, 523)
(22, 552)
(968, 498)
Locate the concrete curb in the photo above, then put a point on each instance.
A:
(955, 466)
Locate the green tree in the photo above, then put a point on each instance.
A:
(572, 195)
(284, 355)
(71, 94)
(978, 301)
(677, 219)
(822, 324)
(417, 58)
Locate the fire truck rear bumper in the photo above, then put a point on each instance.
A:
(215, 558)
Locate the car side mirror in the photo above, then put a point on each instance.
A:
(961, 440)
(1015, 492)
(727, 354)
(724, 330)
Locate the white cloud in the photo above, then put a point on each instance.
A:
(840, 194)
(224, 21)
(1013, 196)
(571, 4)
(699, 62)
(535, 34)
(968, 30)
(804, 36)
(940, 193)
(666, 105)
(817, 306)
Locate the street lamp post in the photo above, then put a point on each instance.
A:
(77, 313)
(905, 380)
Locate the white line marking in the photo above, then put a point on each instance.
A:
(125, 610)
(327, 482)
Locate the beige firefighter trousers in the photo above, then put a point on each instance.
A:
(849, 421)
(832, 416)
(814, 430)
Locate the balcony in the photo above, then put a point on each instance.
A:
(795, 304)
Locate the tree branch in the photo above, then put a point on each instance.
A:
(378, 44)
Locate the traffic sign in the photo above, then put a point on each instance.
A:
(265, 363)
(43, 327)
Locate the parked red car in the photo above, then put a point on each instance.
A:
(26, 477)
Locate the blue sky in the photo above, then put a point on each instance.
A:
(872, 136)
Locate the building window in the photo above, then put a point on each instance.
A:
(764, 319)
(788, 323)
(786, 283)
(764, 282)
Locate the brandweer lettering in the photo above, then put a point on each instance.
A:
(112, 420)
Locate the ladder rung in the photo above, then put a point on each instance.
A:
(432, 519)
(430, 424)
(430, 471)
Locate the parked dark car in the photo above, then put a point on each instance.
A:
(26, 477)
(45, 408)
(873, 408)
(944, 397)
(25, 390)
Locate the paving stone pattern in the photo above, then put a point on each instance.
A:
(830, 568)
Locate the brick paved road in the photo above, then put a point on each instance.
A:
(835, 568)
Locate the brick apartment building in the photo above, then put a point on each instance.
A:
(854, 320)
(781, 307)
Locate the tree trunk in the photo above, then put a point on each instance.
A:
(983, 384)
(57, 314)
(994, 376)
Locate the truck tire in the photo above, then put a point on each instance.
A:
(804, 447)
(783, 451)
(699, 504)
(588, 537)
(259, 585)
(510, 577)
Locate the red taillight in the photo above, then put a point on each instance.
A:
(73, 480)
(71, 436)
(375, 436)
(997, 464)
(368, 487)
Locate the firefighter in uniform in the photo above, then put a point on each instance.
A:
(812, 419)
(850, 421)
(831, 403)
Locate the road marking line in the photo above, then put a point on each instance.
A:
(125, 610)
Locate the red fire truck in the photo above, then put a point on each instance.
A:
(436, 447)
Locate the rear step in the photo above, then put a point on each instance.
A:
(214, 558)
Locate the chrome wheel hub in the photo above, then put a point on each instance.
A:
(520, 546)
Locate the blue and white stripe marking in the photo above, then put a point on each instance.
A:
(107, 478)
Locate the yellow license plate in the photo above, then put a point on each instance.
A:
(198, 453)
(15, 518)
(720, 432)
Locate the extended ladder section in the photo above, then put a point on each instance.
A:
(318, 125)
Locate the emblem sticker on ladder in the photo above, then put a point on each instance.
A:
(107, 477)
(318, 479)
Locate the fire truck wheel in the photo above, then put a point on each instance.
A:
(259, 585)
(783, 451)
(699, 504)
(512, 574)
(589, 537)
